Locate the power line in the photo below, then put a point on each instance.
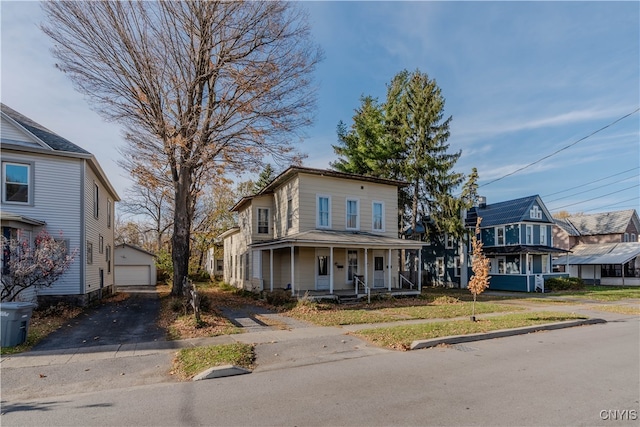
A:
(614, 204)
(591, 189)
(592, 182)
(562, 149)
(595, 198)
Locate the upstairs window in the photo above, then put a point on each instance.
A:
(16, 182)
(378, 216)
(543, 235)
(529, 234)
(96, 200)
(108, 213)
(535, 213)
(450, 241)
(353, 220)
(289, 214)
(500, 236)
(263, 221)
(323, 219)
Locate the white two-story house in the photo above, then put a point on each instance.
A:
(318, 232)
(50, 183)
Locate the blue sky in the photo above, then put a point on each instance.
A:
(522, 81)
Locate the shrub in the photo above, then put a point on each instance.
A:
(279, 297)
(564, 284)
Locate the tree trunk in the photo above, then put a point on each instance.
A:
(181, 230)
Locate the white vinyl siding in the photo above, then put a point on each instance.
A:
(56, 189)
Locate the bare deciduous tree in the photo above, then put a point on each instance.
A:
(154, 204)
(199, 87)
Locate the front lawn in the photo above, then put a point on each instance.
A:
(445, 307)
(401, 337)
(603, 293)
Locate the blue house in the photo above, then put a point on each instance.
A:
(517, 238)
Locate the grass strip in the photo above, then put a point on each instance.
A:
(335, 315)
(191, 361)
(401, 337)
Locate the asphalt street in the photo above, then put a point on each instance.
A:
(579, 376)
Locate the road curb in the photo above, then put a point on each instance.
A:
(221, 371)
(456, 339)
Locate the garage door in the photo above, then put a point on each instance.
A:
(134, 275)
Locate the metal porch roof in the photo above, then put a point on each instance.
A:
(604, 253)
(342, 239)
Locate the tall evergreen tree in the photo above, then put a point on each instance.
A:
(265, 177)
(406, 138)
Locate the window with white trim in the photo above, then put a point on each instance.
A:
(500, 236)
(16, 183)
(89, 252)
(450, 241)
(626, 237)
(458, 266)
(377, 215)
(353, 217)
(535, 213)
(543, 235)
(529, 234)
(289, 214)
(323, 209)
(440, 266)
(263, 221)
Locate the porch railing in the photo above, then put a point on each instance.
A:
(404, 280)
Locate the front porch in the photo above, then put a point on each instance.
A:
(332, 265)
(346, 296)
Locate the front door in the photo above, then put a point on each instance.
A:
(378, 270)
(352, 265)
(322, 270)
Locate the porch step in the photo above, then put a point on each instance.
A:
(348, 299)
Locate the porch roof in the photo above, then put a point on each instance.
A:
(14, 218)
(603, 253)
(521, 249)
(343, 239)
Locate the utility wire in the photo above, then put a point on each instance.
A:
(595, 198)
(562, 149)
(592, 182)
(591, 189)
(615, 204)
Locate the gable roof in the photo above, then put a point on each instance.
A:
(600, 223)
(507, 212)
(53, 144)
(44, 135)
(295, 170)
(135, 248)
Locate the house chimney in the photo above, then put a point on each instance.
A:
(482, 202)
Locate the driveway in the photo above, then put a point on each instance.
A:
(130, 321)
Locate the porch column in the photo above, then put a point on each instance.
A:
(366, 267)
(420, 270)
(389, 268)
(293, 288)
(271, 270)
(331, 270)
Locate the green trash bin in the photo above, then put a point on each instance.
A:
(14, 319)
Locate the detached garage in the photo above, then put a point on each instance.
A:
(134, 266)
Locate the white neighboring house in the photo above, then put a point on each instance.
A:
(134, 266)
(319, 232)
(214, 265)
(49, 182)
